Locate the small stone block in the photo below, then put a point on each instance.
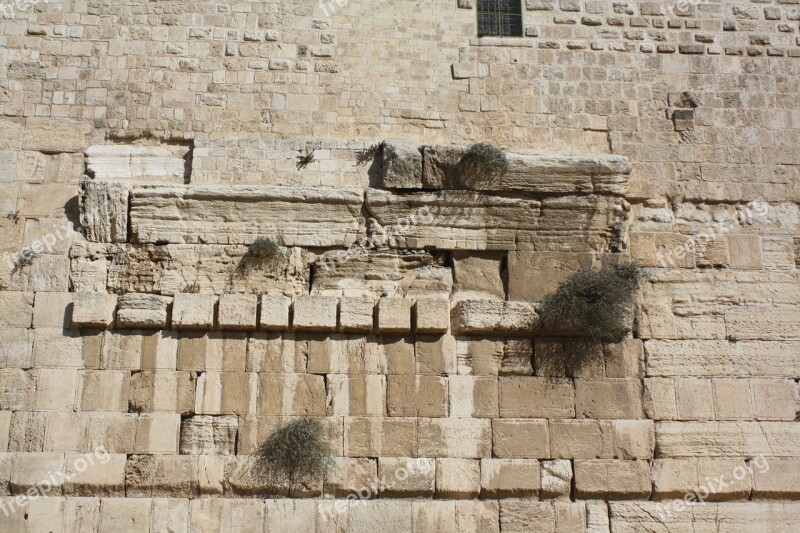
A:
(394, 315)
(315, 313)
(94, 309)
(145, 311)
(356, 315)
(274, 312)
(193, 311)
(433, 315)
(237, 311)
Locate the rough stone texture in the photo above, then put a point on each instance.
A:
(94, 309)
(193, 311)
(163, 163)
(274, 312)
(146, 311)
(356, 315)
(104, 211)
(394, 315)
(237, 311)
(401, 165)
(239, 215)
(475, 317)
(315, 314)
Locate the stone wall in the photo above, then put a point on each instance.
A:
(143, 359)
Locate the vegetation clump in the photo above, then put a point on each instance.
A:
(367, 154)
(598, 304)
(483, 163)
(304, 159)
(262, 253)
(294, 453)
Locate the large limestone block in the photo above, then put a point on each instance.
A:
(435, 516)
(225, 352)
(94, 309)
(380, 515)
(533, 397)
(478, 275)
(52, 310)
(476, 515)
(55, 389)
(490, 317)
(380, 437)
(165, 163)
(55, 134)
(722, 358)
(634, 439)
(407, 477)
(394, 315)
(524, 515)
(608, 398)
(255, 430)
(288, 515)
(17, 309)
(352, 475)
(473, 396)
(146, 311)
(458, 479)
(230, 393)
(125, 514)
(356, 395)
(711, 479)
(435, 355)
(480, 357)
(556, 479)
(30, 469)
(161, 476)
(581, 439)
(344, 354)
(356, 315)
(468, 438)
(763, 323)
(296, 216)
(95, 474)
(509, 478)
(237, 311)
(533, 275)
(433, 315)
(104, 211)
(17, 346)
(727, 439)
(158, 433)
(291, 394)
(172, 514)
(478, 221)
(17, 389)
(210, 515)
(370, 273)
(28, 431)
(274, 314)
(103, 390)
(410, 395)
(193, 311)
(209, 435)
(612, 479)
(520, 439)
(777, 479)
(401, 165)
(116, 432)
(315, 313)
(162, 390)
(531, 173)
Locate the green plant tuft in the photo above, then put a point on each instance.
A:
(296, 452)
(598, 304)
(483, 163)
(368, 154)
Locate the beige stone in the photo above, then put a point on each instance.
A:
(581, 439)
(52, 310)
(608, 398)
(394, 315)
(121, 350)
(95, 474)
(212, 351)
(490, 317)
(237, 311)
(274, 312)
(55, 134)
(506, 478)
(164, 163)
(520, 439)
(380, 437)
(291, 394)
(727, 439)
(409, 395)
(17, 389)
(104, 211)
(125, 514)
(719, 358)
(407, 477)
(479, 356)
(556, 481)
(240, 214)
(432, 315)
(343, 354)
(193, 311)
(27, 432)
(435, 355)
(30, 469)
(356, 395)
(94, 309)
(458, 478)
(159, 350)
(381, 515)
(17, 349)
(351, 476)
(161, 475)
(158, 433)
(532, 397)
(468, 438)
(475, 515)
(434, 516)
(775, 478)
(162, 390)
(533, 275)
(146, 311)
(401, 166)
(356, 315)
(314, 313)
(103, 390)
(231, 393)
(473, 396)
(209, 435)
(518, 515)
(634, 439)
(478, 275)
(517, 358)
(762, 323)
(56, 389)
(612, 479)
(212, 514)
(745, 251)
(275, 352)
(17, 309)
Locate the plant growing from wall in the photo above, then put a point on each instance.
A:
(304, 159)
(262, 253)
(26, 258)
(483, 163)
(367, 154)
(598, 304)
(295, 453)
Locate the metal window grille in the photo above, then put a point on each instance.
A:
(500, 18)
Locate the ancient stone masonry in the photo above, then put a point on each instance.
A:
(220, 217)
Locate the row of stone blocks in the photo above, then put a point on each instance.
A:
(212, 515)
(100, 473)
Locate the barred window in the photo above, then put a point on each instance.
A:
(500, 18)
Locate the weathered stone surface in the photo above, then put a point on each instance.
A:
(394, 315)
(17, 309)
(162, 390)
(352, 475)
(274, 312)
(533, 275)
(401, 165)
(478, 275)
(556, 479)
(727, 439)
(433, 315)
(608, 398)
(581, 439)
(239, 215)
(722, 358)
(710, 479)
(104, 211)
(225, 352)
(612, 479)
(777, 479)
(52, 310)
(458, 478)
(103, 390)
(532, 397)
(410, 395)
(231, 393)
(475, 317)
(373, 273)
(435, 355)
(517, 358)
(55, 134)
(473, 396)
(467, 438)
(291, 394)
(94, 309)
(17, 389)
(209, 435)
(509, 478)
(363, 395)
(629, 517)
(407, 477)
(762, 323)
(158, 433)
(164, 163)
(17, 349)
(380, 437)
(477, 221)
(315, 313)
(237, 311)
(95, 474)
(521, 439)
(532, 173)
(356, 315)
(193, 311)
(148, 311)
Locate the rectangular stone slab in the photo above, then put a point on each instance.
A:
(292, 216)
(479, 221)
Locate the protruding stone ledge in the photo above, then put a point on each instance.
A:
(146, 311)
(126, 162)
(493, 317)
(478, 221)
(293, 216)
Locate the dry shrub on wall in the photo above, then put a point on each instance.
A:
(482, 164)
(263, 253)
(295, 453)
(598, 304)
